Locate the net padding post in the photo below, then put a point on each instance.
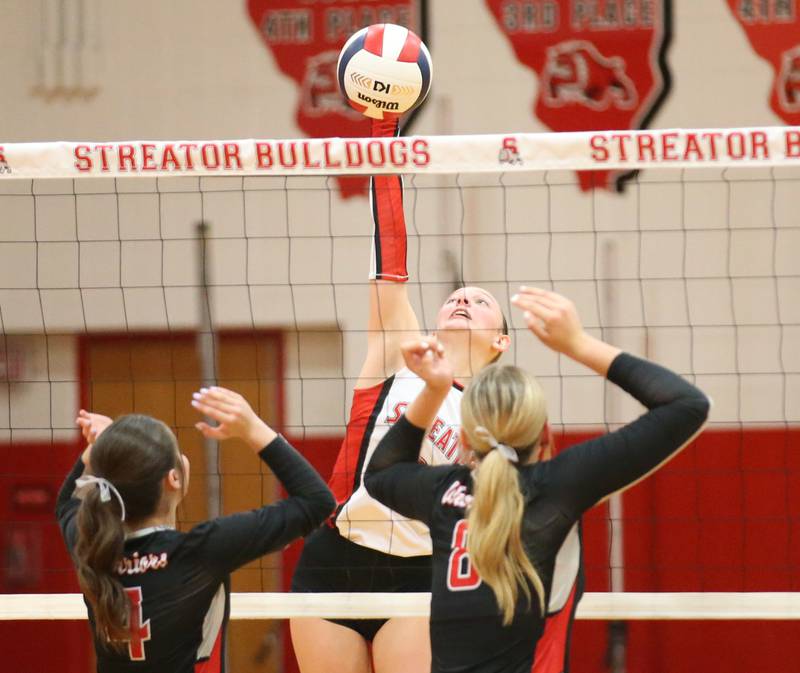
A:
(206, 352)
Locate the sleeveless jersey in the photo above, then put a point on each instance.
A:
(359, 517)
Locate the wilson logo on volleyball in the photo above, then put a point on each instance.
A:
(361, 80)
(304, 39)
(380, 104)
(396, 89)
(600, 65)
(772, 27)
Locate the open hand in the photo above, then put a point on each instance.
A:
(234, 416)
(426, 358)
(552, 318)
(91, 425)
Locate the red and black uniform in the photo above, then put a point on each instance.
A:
(467, 635)
(179, 583)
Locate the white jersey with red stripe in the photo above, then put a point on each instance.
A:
(359, 517)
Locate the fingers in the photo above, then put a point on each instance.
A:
(231, 411)
(218, 414)
(548, 306)
(536, 307)
(213, 412)
(220, 395)
(87, 423)
(219, 398)
(84, 419)
(539, 293)
(535, 325)
(208, 431)
(422, 346)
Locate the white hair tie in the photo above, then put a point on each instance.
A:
(106, 488)
(505, 450)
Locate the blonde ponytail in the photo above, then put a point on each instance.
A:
(502, 404)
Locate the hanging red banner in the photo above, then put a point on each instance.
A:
(305, 38)
(600, 63)
(773, 30)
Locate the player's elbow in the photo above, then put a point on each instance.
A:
(699, 406)
(324, 505)
(329, 506)
(371, 483)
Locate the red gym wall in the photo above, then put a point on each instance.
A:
(34, 560)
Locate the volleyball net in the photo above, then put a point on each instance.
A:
(132, 272)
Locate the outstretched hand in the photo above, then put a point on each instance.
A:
(91, 425)
(552, 318)
(426, 358)
(234, 416)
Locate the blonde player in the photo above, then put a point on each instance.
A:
(498, 521)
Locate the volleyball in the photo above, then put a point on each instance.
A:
(384, 70)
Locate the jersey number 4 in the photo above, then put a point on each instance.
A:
(140, 632)
(461, 576)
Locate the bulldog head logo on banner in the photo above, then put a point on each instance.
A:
(600, 63)
(305, 39)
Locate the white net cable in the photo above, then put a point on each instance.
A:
(600, 606)
(694, 265)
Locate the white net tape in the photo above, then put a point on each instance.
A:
(607, 150)
(628, 606)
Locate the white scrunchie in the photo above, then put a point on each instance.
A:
(106, 488)
(505, 450)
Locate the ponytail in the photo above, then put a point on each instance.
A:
(505, 403)
(494, 541)
(98, 551)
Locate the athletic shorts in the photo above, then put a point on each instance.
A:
(331, 563)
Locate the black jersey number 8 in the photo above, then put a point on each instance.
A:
(461, 576)
(140, 632)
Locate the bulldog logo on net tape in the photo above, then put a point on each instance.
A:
(4, 167)
(509, 152)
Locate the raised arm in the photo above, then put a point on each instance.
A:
(586, 474)
(391, 318)
(230, 542)
(591, 471)
(91, 425)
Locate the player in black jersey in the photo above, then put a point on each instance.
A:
(159, 598)
(497, 527)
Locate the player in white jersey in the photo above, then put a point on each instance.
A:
(367, 547)
(360, 518)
